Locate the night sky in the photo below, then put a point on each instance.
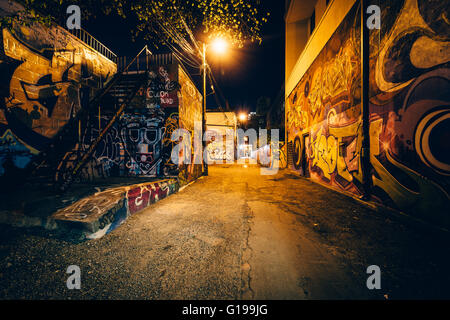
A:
(243, 74)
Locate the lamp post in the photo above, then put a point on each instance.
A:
(205, 162)
(220, 47)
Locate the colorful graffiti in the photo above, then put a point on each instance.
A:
(220, 151)
(190, 112)
(409, 110)
(104, 211)
(46, 76)
(162, 87)
(273, 155)
(143, 196)
(132, 147)
(142, 137)
(139, 143)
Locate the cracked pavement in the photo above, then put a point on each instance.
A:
(235, 234)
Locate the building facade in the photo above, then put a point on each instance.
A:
(221, 148)
(409, 98)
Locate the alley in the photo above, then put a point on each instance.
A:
(235, 234)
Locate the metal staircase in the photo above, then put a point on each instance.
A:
(61, 162)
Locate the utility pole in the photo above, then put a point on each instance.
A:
(205, 164)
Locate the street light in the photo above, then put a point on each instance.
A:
(219, 45)
(242, 117)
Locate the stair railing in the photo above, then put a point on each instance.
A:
(122, 61)
(88, 154)
(73, 123)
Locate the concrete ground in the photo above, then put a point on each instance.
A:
(235, 234)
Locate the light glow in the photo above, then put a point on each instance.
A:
(219, 45)
(242, 117)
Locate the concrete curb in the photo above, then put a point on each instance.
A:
(97, 215)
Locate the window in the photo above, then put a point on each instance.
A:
(312, 22)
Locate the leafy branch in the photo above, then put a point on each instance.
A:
(161, 21)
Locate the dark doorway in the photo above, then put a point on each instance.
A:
(304, 159)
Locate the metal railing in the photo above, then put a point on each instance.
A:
(66, 176)
(88, 39)
(139, 63)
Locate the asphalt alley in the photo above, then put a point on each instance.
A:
(235, 234)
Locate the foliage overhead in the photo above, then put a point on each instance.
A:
(162, 21)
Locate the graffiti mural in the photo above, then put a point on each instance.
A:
(409, 110)
(132, 147)
(145, 195)
(221, 150)
(162, 88)
(190, 112)
(46, 76)
(142, 137)
(13, 152)
(139, 143)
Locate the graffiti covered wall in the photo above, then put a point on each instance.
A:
(139, 143)
(409, 110)
(190, 112)
(46, 75)
(132, 146)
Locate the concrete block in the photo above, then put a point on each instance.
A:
(102, 212)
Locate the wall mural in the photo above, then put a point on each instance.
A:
(162, 87)
(132, 147)
(190, 111)
(46, 75)
(139, 143)
(221, 150)
(409, 110)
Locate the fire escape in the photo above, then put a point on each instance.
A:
(61, 163)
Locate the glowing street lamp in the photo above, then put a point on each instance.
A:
(220, 46)
(242, 117)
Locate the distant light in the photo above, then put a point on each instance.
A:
(243, 117)
(220, 45)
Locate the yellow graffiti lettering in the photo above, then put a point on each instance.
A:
(352, 130)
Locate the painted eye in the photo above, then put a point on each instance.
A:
(133, 134)
(151, 135)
